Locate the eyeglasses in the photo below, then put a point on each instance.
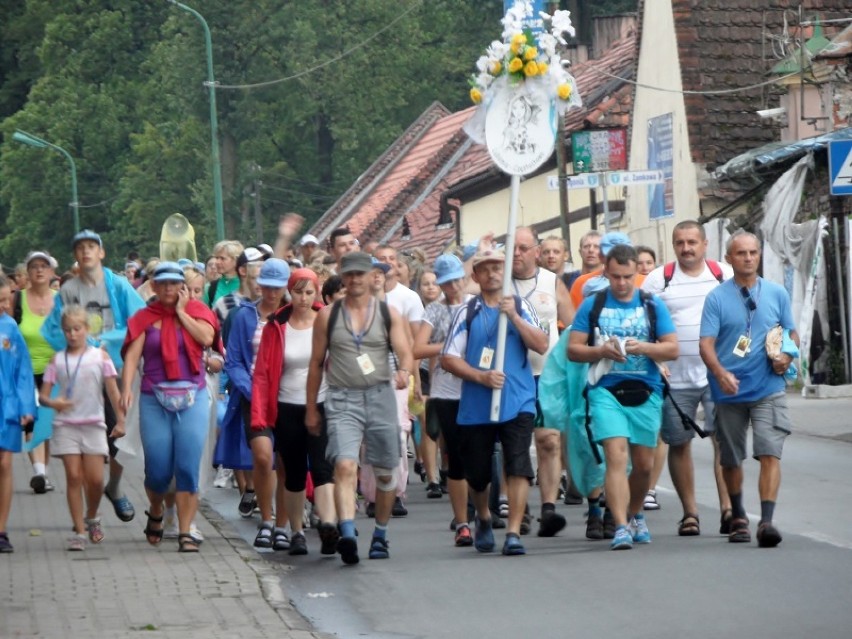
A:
(523, 248)
(750, 305)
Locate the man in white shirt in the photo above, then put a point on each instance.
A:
(683, 287)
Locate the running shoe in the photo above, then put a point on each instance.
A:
(638, 529)
(399, 509)
(433, 491)
(328, 538)
(248, 502)
(594, 525)
(550, 523)
(76, 543)
(767, 535)
(93, 527)
(463, 536)
(348, 549)
(298, 544)
(5, 544)
(39, 484)
(622, 539)
(223, 477)
(170, 525)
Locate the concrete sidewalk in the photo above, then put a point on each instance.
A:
(123, 585)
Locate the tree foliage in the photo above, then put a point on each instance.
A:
(121, 87)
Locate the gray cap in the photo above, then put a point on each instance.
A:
(356, 262)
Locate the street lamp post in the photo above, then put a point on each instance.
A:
(34, 140)
(214, 123)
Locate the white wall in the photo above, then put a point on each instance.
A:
(659, 66)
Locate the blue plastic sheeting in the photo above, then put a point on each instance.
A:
(771, 159)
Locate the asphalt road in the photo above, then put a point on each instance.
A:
(565, 586)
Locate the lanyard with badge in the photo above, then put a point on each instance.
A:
(363, 359)
(72, 379)
(487, 356)
(743, 345)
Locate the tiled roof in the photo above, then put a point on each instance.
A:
(721, 47)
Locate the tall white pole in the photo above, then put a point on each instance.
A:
(502, 321)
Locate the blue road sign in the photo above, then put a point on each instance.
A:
(840, 167)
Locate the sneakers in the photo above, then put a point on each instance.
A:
(420, 470)
(513, 547)
(39, 484)
(5, 544)
(122, 507)
(223, 477)
(170, 525)
(484, 537)
(463, 536)
(379, 548)
(433, 491)
(348, 549)
(651, 501)
(399, 509)
(93, 527)
(196, 535)
(76, 543)
(594, 525)
(767, 535)
(608, 525)
(526, 523)
(639, 529)
(298, 544)
(328, 538)
(622, 540)
(263, 539)
(550, 523)
(496, 521)
(503, 509)
(48, 486)
(371, 509)
(248, 502)
(280, 540)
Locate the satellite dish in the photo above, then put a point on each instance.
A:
(177, 239)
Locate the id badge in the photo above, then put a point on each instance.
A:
(486, 358)
(742, 346)
(365, 364)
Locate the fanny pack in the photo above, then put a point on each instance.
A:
(631, 392)
(175, 396)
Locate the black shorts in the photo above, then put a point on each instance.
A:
(425, 386)
(251, 433)
(445, 412)
(477, 447)
(29, 426)
(298, 448)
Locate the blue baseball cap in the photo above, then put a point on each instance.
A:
(274, 273)
(86, 234)
(613, 238)
(448, 268)
(384, 267)
(168, 272)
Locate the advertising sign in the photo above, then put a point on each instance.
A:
(661, 156)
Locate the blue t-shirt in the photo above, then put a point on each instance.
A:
(627, 320)
(726, 317)
(467, 342)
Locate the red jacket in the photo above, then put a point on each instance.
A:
(269, 367)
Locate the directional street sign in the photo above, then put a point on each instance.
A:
(635, 178)
(840, 167)
(582, 181)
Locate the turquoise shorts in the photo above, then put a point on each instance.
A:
(10, 436)
(640, 425)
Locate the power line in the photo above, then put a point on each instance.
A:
(688, 92)
(348, 51)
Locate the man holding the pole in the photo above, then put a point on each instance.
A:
(469, 354)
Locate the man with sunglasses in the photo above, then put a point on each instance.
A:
(747, 386)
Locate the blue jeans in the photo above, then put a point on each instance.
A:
(173, 443)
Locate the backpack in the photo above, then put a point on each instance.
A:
(647, 300)
(384, 309)
(713, 265)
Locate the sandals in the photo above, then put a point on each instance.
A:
(739, 531)
(187, 543)
(76, 543)
(689, 526)
(154, 535)
(651, 501)
(96, 533)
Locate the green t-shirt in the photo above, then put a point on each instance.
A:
(222, 287)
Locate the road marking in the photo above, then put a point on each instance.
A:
(828, 539)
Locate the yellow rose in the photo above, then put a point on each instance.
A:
(518, 41)
(530, 53)
(563, 91)
(531, 69)
(515, 65)
(475, 96)
(542, 68)
(496, 68)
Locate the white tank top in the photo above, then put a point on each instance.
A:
(540, 291)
